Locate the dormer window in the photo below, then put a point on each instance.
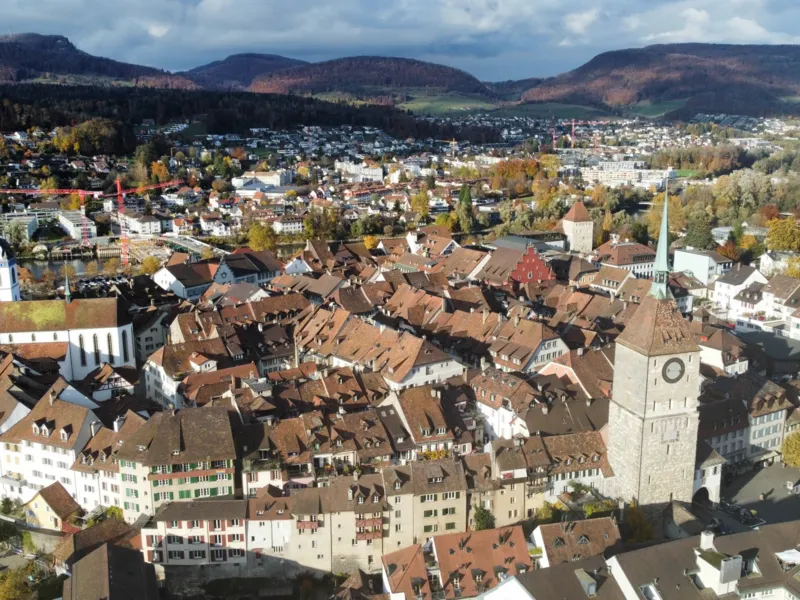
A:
(426, 432)
(397, 485)
(478, 577)
(376, 498)
(361, 499)
(35, 429)
(44, 431)
(176, 452)
(141, 448)
(582, 459)
(441, 431)
(583, 540)
(83, 459)
(569, 461)
(596, 458)
(64, 435)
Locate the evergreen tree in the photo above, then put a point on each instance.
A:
(698, 233)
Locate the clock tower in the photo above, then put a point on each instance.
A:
(652, 418)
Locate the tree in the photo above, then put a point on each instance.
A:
(111, 266)
(48, 277)
(442, 219)
(91, 268)
(13, 585)
(464, 209)
(640, 233)
(791, 450)
(6, 506)
(71, 202)
(748, 242)
(67, 269)
(159, 172)
(729, 250)
(698, 234)
(792, 267)
(7, 532)
(419, 204)
(639, 528)
(208, 253)
(370, 242)
(262, 237)
(484, 519)
(149, 265)
(114, 512)
(14, 232)
(783, 234)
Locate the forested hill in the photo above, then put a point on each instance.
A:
(33, 56)
(239, 70)
(24, 106)
(725, 77)
(368, 75)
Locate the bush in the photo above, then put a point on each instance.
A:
(27, 543)
(483, 519)
(598, 508)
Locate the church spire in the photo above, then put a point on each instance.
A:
(660, 289)
(67, 292)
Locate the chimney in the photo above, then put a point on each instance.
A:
(545, 408)
(53, 396)
(349, 493)
(433, 392)
(516, 321)
(261, 327)
(118, 423)
(707, 540)
(94, 427)
(580, 351)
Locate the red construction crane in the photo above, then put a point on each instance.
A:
(62, 192)
(123, 234)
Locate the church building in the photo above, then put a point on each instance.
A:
(81, 334)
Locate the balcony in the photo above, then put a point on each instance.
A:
(369, 535)
(310, 525)
(373, 522)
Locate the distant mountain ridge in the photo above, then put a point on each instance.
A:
(753, 78)
(365, 75)
(238, 71)
(744, 79)
(32, 55)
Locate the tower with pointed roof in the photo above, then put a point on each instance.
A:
(579, 228)
(9, 277)
(653, 418)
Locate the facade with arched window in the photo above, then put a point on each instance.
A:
(81, 334)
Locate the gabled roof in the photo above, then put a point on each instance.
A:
(59, 500)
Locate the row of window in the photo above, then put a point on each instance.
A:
(109, 346)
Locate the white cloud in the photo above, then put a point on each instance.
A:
(579, 22)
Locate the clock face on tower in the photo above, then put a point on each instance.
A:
(673, 370)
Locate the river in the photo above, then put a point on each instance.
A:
(37, 267)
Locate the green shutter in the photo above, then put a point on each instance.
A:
(171, 496)
(192, 466)
(154, 469)
(194, 479)
(197, 493)
(212, 477)
(181, 481)
(213, 491)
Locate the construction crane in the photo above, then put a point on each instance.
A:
(62, 192)
(123, 234)
(453, 146)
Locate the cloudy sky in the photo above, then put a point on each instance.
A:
(493, 39)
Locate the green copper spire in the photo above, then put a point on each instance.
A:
(660, 289)
(67, 293)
